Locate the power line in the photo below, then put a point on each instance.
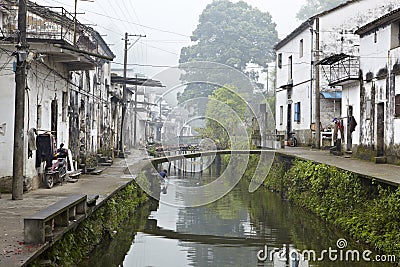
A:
(130, 22)
(170, 52)
(137, 17)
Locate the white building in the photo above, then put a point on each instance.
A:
(66, 86)
(325, 34)
(375, 96)
(137, 117)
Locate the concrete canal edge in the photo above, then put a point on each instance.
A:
(103, 221)
(365, 208)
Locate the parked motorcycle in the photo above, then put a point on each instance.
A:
(56, 173)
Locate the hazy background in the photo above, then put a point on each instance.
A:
(167, 25)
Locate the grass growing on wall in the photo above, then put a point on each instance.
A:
(368, 211)
(104, 222)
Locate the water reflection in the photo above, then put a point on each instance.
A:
(238, 230)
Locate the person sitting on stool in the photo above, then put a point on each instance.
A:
(62, 152)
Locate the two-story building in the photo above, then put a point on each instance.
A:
(68, 71)
(133, 130)
(299, 71)
(375, 96)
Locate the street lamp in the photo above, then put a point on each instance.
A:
(76, 3)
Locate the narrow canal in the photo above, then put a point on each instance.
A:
(233, 231)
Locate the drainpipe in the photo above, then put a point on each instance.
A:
(317, 88)
(311, 73)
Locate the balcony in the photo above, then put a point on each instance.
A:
(341, 69)
(50, 31)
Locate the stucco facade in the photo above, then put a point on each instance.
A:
(296, 70)
(66, 92)
(379, 88)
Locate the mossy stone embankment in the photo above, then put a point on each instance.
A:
(102, 223)
(367, 210)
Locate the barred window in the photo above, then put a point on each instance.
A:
(297, 112)
(397, 106)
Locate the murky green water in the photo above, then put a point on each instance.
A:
(234, 231)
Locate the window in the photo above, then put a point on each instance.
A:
(39, 117)
(395, 34)
(297, 112)
(368, 109)
(64, 106)
(398, 33)
(290, 68)
(301, 47)
(397, 106)
(280, 115)
(280, 60)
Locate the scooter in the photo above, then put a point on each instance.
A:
(56, 173)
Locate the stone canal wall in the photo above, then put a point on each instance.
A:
(103, 221)
(368, 210)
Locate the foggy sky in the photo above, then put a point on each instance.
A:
(166, 24)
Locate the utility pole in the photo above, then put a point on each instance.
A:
(135, 115)
(317, 88)
(75, 21)
(20, 84)
(76, 3)
(124, 100)
(121, 138)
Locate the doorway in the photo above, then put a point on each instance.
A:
(380, 130)
(54, 108)
(289, 120)
(349, 133)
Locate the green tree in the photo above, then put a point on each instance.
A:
(313, 7)
(233, 34)
(226, 112)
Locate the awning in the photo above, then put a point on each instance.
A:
(136, 81)
(332, 95)
(332, 59)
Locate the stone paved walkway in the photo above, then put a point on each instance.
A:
(13, 252)
(382, 172)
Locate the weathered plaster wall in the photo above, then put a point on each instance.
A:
(351, 97)
(43, 87)
(329, 109)
(280, 119)
(380, 85)
(7, 88)
(336, 36)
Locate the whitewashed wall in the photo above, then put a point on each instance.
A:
(397, 120)
(334, 26)
(339, 23)
(301, 67)
(351, 97)
(7, 93)
(376, 56)
(280, 118)
(44, 86)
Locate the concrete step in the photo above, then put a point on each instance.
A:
(380, 160)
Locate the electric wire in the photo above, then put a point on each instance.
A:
(136, 15)
(120, 20)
